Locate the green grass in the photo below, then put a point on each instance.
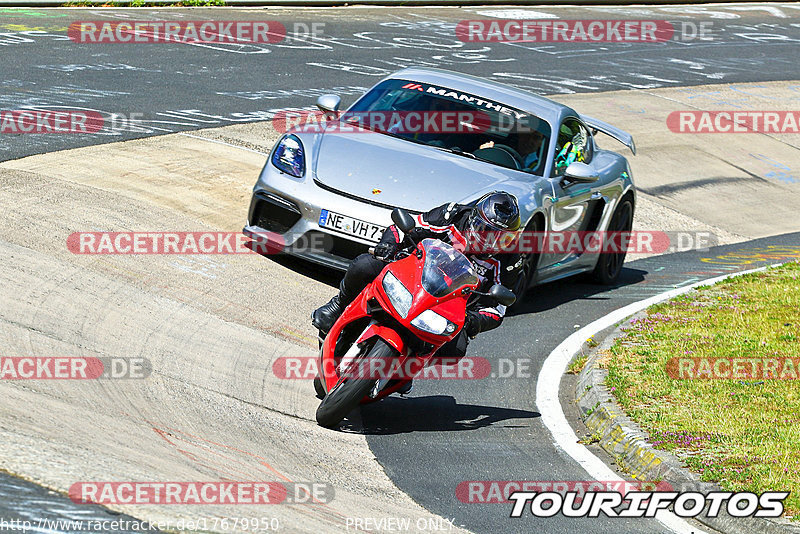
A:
(577, 365)
(742, 433)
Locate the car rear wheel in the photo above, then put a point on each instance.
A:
(609, 265)
(529, 263)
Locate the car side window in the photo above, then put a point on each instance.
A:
(573, 143)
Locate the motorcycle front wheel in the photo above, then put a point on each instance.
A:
(347, 394)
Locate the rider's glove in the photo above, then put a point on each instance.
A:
(472, 325)
(385, 251)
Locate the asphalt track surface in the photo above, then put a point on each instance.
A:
(451, 431)
(44, 509)
(447, 431)
(167, 87)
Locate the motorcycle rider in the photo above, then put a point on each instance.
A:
(481, 230)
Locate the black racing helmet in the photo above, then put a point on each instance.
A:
(493, 224)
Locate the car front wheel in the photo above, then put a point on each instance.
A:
(529, 263)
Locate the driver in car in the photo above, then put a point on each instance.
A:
(481, 230)
(528, 148)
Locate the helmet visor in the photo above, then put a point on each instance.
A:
(484, 237)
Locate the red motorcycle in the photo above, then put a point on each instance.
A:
(395, 326)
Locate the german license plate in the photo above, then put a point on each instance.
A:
(350, 226)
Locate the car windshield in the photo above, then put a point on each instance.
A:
(456, 122)
(446, 269)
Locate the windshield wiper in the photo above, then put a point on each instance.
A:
(456, 150)
(384, 132)
(453, 150)
(356, 122)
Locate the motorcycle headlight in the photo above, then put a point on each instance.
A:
(289, 156)
(399, 296)
(432, 322)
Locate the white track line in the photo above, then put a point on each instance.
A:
(549, 383)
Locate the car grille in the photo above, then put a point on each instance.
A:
(274, 215)
(335, 245)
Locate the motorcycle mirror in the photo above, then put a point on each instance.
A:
(502, 295)
(403, 220)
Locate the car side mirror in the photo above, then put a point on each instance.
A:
(329, 103)
(502, 295)
(403, 220)
(581, 172)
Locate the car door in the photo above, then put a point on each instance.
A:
(576, 206)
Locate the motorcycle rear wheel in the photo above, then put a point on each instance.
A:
(347, 394)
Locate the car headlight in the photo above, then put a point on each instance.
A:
(432, 322)
(399, 296)
(289, 156)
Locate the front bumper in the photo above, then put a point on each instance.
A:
(291, 208)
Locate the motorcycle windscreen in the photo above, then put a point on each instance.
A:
(446, 269)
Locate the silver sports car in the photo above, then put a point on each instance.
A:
(327, 192)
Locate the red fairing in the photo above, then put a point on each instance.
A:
(452, 307)
(387, 334)
(409, 272)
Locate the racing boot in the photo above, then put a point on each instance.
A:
(404, 390)
(325, 316)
